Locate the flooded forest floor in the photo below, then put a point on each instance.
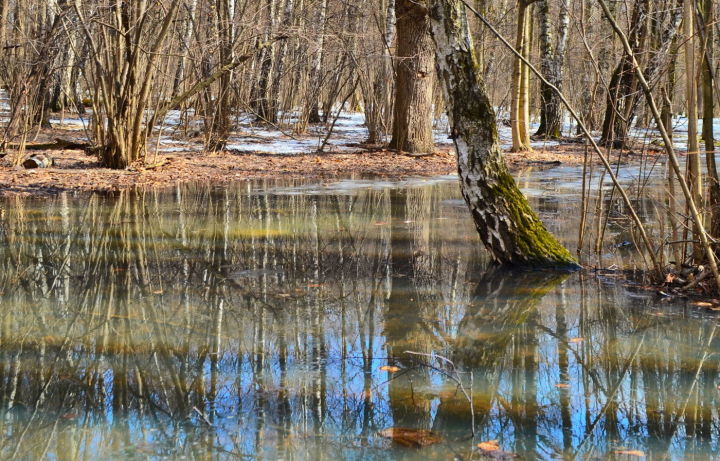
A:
(257, 152)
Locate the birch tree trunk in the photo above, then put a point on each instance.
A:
(316, 70)
(553, 60)
(508, 227)
(412, 127)
(185, 37)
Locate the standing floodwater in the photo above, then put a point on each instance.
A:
(274, 320)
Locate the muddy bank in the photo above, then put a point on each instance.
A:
(77, 172)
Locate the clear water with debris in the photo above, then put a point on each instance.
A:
(285, 320)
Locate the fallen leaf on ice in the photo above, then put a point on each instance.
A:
(417, 438)
(702, 304)
(491, 445)
(390, 368)
(491, 449)
(630, 452)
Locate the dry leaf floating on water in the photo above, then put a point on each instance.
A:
(406, 437)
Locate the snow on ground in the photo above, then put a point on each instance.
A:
(349, 130)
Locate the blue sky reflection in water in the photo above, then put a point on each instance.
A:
(253, 321)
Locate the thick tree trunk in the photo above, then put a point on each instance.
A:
(507, 225)
(553, 60)
(412, 127)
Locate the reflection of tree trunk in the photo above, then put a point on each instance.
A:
(404, 328)
(500, 323)
(563, 365)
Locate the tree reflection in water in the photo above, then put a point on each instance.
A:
(253, 321)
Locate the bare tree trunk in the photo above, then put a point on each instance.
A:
(622, 83)
(218, 131)
(3, 21)
(507, 225)
(412, 126)
(378, 103)
(669, 91)
(519, 105)
(280, 63)
(553, 60)
(316, 70)
(260, 100)
(185, 37)
(708, 85)
(694, 176)
(623, 95)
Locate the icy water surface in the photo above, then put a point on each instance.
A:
(285, 320)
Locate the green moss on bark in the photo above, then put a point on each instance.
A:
(507, 225)
(535, 244)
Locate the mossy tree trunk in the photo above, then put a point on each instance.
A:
(508, 227)
(412, 126)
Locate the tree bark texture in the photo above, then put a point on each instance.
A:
(413, 114)
(508, 227)
(552, 62)
(708, 92)
(519, 110)
(694, 175)
(623, 95)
